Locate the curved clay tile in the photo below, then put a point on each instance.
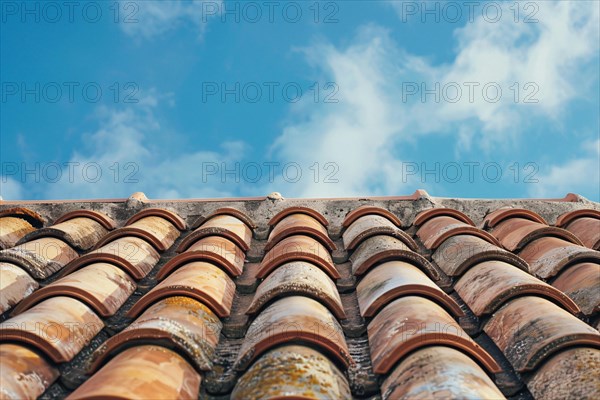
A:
(15, 285)
(587, 230)
(179, 323)
(439, 371)
(297, 372)
(298, 248)
(133, 255)
(571, 374)
(59, 327)
(299, 224)
(298, 210)
(372, 225)
(226, 211)
(516, 233)
(395, 279)
(459, 253)
(101, 286)
(103, 219)
(80, 232)
(365, 210)
(502, 214)
(142, 372)
(158, 231)
(438, 229)
(292, 319)
(214, 249)
(529, 329)
(12, 229)
(298, 278)
(378, 249)
(25, 374)
(34, 219)
(549, 255)
(490, 284)
(581, 282)
(426, 215)
(568, 217)
(170, 216)
(202, 281)
(222, 225)
(412, 322)
(41, 257)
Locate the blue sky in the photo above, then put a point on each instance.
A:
(199, 99)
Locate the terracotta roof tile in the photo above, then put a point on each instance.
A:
(181, 323)
(149, 372)
(40, 257)
(25, 374)
(59, 327)
(294, 318)
(12, 229)
(413, 322)
(330, 298)
(529, 329)
(292, 372)
(298, 278)
(299, 224)
(15, 285)
(298, 248)
(395, 279)
(103, 287)
(439, 372)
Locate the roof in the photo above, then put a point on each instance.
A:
(364, 298)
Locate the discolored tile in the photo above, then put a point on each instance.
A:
(81, 233)
(299, 224)
(298, 210)
(12, 229)
(226, 211)
(516, 233)
(492, 219)
(436, 230)
(221, 225)
(40, 257)
(372, 225)
(587, 230)
(581, 282)
(365, 210)
(431, 213)
(15, 285)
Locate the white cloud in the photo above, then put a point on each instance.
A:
(10, 189)
(579, 175)
(149, 19)
(558, 54)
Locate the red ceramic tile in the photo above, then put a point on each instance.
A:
(59, 327)
(158, 227)
(101, 286)
(371, 225)
(181, 323)
(296, 372)
(410, 323)
(516, 233)
(214, 249)
(378, 249)
(581, 282)
(12, 229)
(549, 255)
(568, 217)
(298, 248)
(133, 255)
(81, 232)
(395, 279)
(25, 374)
(299, 224)
(226, 211)
(439, 372)
(143, 372)
(41, 257)
(587, 230)
(459, 253)
(15, 285)
(370, 210)
(502, 214)
(530, 329)
(34, 219)
(298, 210)
(490, 284)
(103, 219)
(298, 278)
(436, 230)
(426, 215)
(221, 225)
(293, 319)
(571, 374)
(199, 280)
